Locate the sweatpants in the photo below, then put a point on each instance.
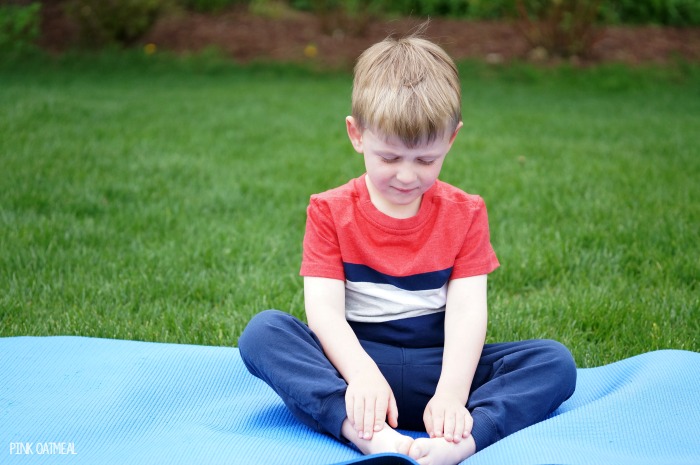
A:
(516, 384)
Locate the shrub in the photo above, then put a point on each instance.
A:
(564, 28)
(209, 6)
(492, 9)
(350, 16)
(665, 12)
(19, 28)
(272, 9)
(455, 8)
(121, 22)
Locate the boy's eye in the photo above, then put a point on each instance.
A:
(390, 159)
(427, 161)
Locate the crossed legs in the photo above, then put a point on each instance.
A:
(515, 385)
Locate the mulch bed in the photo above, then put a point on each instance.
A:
(334, 42)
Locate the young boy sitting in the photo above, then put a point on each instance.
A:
(395, 265)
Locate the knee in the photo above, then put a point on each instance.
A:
(562, 366)
(258, 333)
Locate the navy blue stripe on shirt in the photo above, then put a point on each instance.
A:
(417, 282)
(417, 332)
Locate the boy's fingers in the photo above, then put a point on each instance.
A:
(393, 413)
(428, 422)
(438, 424)
(359, 414)
(350, 409)
(458, 429)
(368, 424)
(380, 412)
(449, 426)
(468, 425)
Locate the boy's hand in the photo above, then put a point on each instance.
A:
(370, 403)
(445, 416)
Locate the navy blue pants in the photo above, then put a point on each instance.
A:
(516, 384)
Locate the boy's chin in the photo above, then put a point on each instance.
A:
(403, 199)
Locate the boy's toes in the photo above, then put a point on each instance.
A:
(404, 446)
(417, 451)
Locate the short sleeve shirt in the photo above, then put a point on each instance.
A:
(396, 269)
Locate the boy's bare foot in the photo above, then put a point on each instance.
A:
(438, 451)
(386, 440)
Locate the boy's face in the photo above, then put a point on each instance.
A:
(398, 176)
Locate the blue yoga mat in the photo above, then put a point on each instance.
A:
(74, 400)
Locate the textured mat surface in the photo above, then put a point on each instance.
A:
(72, 400)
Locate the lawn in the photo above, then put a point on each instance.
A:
(163, 199)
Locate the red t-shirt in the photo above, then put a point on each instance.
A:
(396, 268)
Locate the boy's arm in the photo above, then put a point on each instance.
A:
(368, 399)
(465, 332)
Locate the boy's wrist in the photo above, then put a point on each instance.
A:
(366, 369)
(456, 389)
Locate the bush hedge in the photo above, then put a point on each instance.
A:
(665, 12)
(19, 28)
(114, 22)
(662, 12)
(208, 6)
(563, 27)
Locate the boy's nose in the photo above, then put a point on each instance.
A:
(406, 175)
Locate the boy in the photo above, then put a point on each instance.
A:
(394, 267)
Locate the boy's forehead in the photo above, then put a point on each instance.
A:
(391, 141)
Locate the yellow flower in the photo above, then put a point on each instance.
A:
(149, 49)
(310, 51)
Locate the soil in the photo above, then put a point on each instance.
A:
(336, 42)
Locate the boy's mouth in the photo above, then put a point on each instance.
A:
(403, 190)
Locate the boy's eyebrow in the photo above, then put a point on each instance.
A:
(388, 153)
(399, 155)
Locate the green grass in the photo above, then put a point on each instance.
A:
(164, 199)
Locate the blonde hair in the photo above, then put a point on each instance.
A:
(408, 88)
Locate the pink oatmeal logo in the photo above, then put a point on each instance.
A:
(42, 448)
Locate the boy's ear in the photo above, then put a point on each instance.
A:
(454, 134)
(354, 133)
